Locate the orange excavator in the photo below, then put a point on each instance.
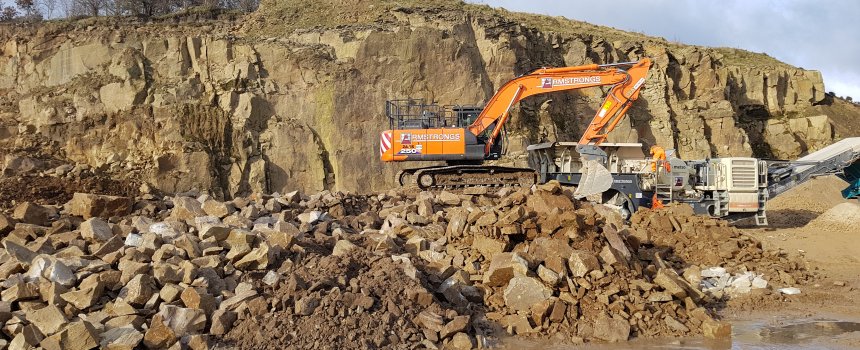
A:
(465, 137)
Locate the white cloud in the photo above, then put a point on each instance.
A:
(819, 35)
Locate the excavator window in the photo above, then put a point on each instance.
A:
(466, 115)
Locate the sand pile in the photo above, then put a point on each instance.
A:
(842, 217)
(802, 204)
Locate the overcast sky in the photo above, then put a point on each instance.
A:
(819, 35)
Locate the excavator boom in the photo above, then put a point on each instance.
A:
(625, 89)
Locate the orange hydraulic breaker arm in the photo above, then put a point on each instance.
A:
(626, 86)
(616, 104)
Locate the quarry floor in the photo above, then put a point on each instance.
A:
(825, 314)
(835, 255)
(831, 248)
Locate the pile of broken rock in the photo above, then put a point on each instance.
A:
(392, 269)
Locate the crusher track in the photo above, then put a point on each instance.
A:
(458, 176)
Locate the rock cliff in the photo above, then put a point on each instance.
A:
(292, 97)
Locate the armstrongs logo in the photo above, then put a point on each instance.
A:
(406, 139)
(549, 83)
(546, 83)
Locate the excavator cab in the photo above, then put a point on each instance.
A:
(465, 116)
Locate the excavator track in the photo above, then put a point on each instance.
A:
(406, 177)
(458, 176)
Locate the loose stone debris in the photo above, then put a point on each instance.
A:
(789, 290)
(396, 270)
(716, 280)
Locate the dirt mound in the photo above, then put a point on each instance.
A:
(511, 261)
(51, 190)
(357, 301)
(704, 242)
(34, 177)
(842, 217)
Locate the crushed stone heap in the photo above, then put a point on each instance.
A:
(401, 269)
(841, 218)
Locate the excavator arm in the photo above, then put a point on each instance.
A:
(616, 104)
(626, 85)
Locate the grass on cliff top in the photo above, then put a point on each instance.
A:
(283, 17)
(843, 115)
(279, 17)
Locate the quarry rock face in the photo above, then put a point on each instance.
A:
(214, 107)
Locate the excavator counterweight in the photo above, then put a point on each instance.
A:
(466, 136)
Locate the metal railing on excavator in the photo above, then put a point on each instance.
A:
(418, 114)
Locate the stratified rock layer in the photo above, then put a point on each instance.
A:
(215, 105)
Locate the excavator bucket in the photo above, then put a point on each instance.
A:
(595, 177)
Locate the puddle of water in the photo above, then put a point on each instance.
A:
(757, 335)
(798, 333)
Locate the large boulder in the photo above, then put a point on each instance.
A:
(90, 205)
(15, 165)
(523, 292)
(611, 329)
(543, 201)
(186, 209)
(503, 267)
(31, 213)
(96, 229)
(183, 321)
(581, 263)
